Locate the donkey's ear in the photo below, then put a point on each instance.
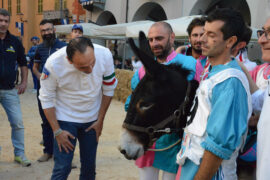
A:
(144, 44)
(152, 67)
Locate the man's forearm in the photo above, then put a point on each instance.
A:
(209, 166)
(24, 74)
(36, 71)
(50, 115)
(105, 103)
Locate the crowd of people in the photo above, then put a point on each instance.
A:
(132, 64)
(75, 83)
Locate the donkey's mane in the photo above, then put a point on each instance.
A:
(178, 68)
(171, 67)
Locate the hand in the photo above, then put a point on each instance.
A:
(64, 142)
(21, 88)
(253, 120)
(97, 126)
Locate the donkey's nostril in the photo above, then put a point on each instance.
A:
(123, 151)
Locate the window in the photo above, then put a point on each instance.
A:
(9, 7)
(40, 6)
(18, 6)
(57, 4)
(65, 4)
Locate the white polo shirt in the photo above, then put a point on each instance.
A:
(75, 95)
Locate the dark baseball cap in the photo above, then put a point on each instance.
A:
(77, 26)
(34, 38)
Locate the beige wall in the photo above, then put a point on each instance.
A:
(30, 10)
(260, 10)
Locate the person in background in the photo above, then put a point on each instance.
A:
(117, 63)
(49, 46)
(12, 53)
(195, 30)
(240, 50)
(128, 64)
(136, 63)
(30, 57)
(77, 31)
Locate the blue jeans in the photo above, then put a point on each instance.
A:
(47, 133)
(11, 103)
(88, 148)
(35, 80)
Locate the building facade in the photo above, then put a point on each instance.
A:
(120, 11)
(26, 14)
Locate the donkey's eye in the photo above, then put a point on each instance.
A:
(145, 105)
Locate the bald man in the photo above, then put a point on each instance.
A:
(161, 40)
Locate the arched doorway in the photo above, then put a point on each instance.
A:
(106, 18)
(206, 6)
(150, 11)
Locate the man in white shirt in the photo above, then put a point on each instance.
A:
(77, 85)
(240, 50)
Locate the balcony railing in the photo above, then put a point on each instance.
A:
(55, 14)
(91, 4)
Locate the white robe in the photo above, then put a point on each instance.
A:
(263, 146)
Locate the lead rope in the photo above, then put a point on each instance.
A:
(166, 148)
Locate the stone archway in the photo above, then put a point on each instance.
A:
(150, 11)
(204, 7)
(106, 18)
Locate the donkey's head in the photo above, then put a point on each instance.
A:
(158, 95)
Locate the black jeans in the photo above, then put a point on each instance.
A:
(47, 133)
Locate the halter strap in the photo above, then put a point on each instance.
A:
(151, 130)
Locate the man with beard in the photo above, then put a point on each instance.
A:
(161, 40)
(218, 130)
(50, 45)
(12, 53)
(195, 31)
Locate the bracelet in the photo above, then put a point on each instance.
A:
(57, 132)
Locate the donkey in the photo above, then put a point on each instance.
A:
(158, 105)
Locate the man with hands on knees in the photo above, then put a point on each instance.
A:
(77, 85)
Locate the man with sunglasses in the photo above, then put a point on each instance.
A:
(49, 45)
(263, 158)
(260, 73)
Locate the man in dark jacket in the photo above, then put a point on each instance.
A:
(11, 54)
(49, 45)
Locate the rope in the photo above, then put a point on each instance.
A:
(166, 148)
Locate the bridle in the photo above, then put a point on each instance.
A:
(174, 118)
